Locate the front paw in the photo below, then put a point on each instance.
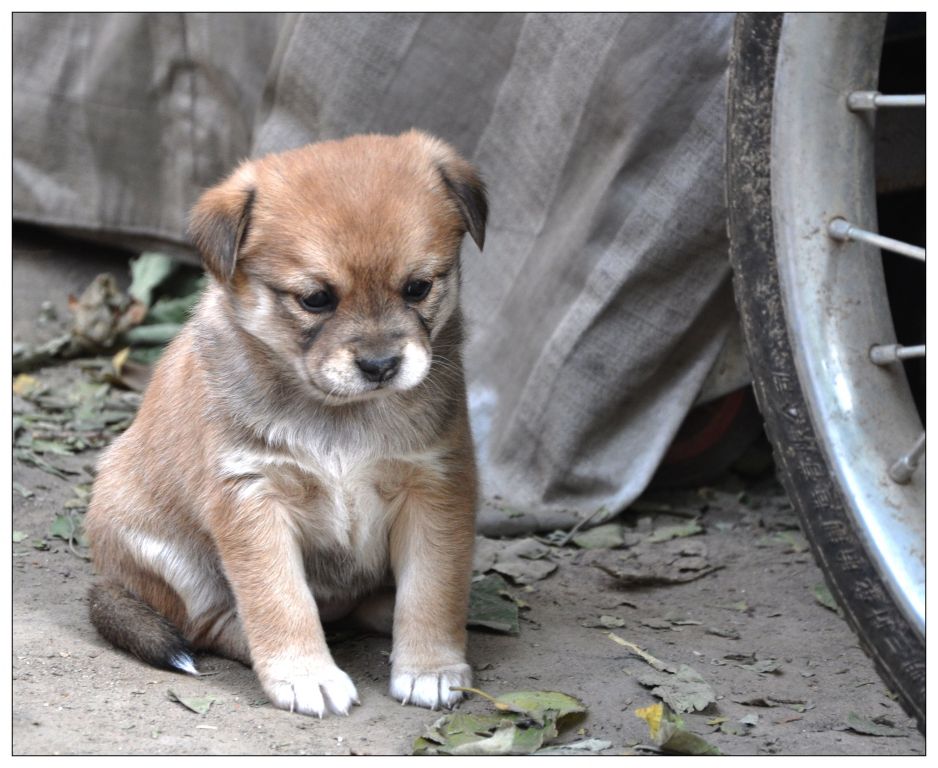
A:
(309, 686)
(432, 687)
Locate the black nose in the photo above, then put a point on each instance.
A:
(379, 369)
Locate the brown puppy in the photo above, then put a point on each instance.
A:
(304, 440)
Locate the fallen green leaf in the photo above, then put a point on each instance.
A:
(606, 536)
(734, 729)
(524, 561)
(799, 705)
(753, 664)
(198, 704)
(149, 335)
(823, 595)
(878, 726)
(27, 357)
(667, 732)
(506, 740)
(451, 731)
(795, 541)
(683, 691)
(717, 720)
(65, 527)
(680, 621)
(23, 491)
(173, 310)
(525, 721)
(59, 447)
(19, 536)
(147, 272)
(491, 607)
(656, 623)
(537, 704)
(730, 634)
(668, 532)
(27, 457)
(576, 747)
(146, 356)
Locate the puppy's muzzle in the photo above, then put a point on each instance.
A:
(379, 370)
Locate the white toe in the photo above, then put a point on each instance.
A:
(310, 687)
(430, 688)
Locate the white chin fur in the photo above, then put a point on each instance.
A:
(414, 366)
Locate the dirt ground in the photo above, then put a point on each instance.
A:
(752, 627)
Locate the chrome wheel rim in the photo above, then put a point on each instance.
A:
(834, 291)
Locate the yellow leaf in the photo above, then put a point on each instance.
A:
(653, 716)
(119, 359)
(24, 384)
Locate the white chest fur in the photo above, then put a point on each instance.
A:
(332, 503)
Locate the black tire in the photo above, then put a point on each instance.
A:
(884, 631)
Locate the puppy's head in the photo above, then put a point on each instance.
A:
(343, 257)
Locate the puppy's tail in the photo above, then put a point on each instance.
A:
(134, 626)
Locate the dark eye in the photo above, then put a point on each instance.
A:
(417, 290)
(320, 301)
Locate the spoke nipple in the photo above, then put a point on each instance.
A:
(862, 101)
(903, 469)
(839, 229)
(884, 354)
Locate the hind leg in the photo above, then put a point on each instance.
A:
(376, 612)
(224, 636)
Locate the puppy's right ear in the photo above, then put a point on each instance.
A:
(220, 221)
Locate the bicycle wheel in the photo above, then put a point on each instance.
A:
(812, 307)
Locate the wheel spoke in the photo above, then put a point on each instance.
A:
(867, 101)
(843, 230)
(903, 469)
(886, 354)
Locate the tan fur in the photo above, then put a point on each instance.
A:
(264, 485)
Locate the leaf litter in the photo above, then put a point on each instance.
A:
(683, 690)
(523, 722)
(23, 491)
(667, 732)
(104, 317)
(524, 561)
(87, 414)
(612, 536)
(672, 561)
(68, 419)
(678, 685)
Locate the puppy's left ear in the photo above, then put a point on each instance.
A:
(468, 192)
(220, 220)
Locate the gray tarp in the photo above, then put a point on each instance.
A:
(602, 298)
